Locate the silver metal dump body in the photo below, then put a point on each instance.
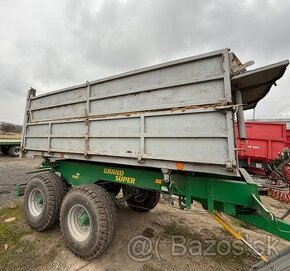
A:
(179, 111)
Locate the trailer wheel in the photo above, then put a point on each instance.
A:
(4, 150)
(42, 200)
(88, 218)
(143, 200)
(14, 151)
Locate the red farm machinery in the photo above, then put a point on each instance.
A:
(265, 153)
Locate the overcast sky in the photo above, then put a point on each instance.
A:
(54, 44)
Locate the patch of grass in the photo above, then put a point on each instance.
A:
(150, 267)
(11, 232)
(175, 229)
(10, 212)
(11, 247)
(24, 254)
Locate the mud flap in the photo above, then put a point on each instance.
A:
(20, 188)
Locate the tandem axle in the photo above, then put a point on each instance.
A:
(81, 191)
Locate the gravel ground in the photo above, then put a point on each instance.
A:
(12, 171)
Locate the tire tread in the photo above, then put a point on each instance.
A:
(103, 204)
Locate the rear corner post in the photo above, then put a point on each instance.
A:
(27, 116)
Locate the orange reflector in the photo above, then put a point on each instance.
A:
(179, 166)
(158, 181)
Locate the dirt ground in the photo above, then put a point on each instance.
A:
(171, 239)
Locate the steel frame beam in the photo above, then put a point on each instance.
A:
(234, 196)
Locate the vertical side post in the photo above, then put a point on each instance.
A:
(240, 115)
(231, 161)
(49, 138)
(87, 121)
(27, 117)
(142, 138)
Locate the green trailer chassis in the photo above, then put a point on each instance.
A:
(9, 142)
(12, 144)
(234, 196)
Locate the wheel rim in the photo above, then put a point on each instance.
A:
(78, 220)
(35, 202)
(140, 197)
(17, 150)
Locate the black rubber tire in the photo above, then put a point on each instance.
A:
(103, 220)
(149, 199)
(14, 151)
(53, 191)
(4, 150)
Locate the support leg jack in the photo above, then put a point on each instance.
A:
(220, 219)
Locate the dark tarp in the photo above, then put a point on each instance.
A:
(255, 84)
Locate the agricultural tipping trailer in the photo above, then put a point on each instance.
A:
(265, 140)
(166, 128)
(10, 138)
